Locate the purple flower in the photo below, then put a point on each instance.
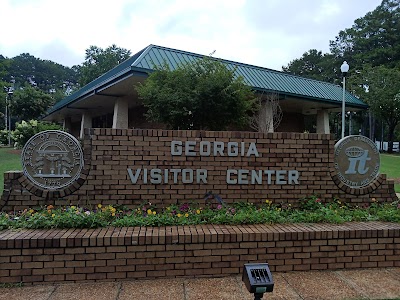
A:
(219, 206)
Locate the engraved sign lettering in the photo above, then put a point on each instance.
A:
(356, 161)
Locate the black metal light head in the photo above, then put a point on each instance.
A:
(258, 279)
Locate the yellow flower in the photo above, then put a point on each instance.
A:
(99, 205)
(53, 215)
(168, 208)
(154, 212)
(73, 207)
(186, 215)
(113, 214)
(179, 215)
(198, 211)
(149, 211)
(31, 211)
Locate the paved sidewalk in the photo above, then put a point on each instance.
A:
(350, 284)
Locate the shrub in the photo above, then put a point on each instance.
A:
(4, 137)
(25, 130)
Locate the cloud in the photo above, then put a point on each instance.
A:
(265, 33)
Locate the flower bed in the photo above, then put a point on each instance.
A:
(311, 210)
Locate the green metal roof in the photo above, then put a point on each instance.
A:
(258, 78)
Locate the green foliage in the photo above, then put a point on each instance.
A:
(46, 75)
(185, 214)
(25, 130)
(202, 94)
(373, 39)
(315, 65)
(98, 61)
(4, 137)
(380, 88)
(30, 103)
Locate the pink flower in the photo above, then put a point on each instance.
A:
(318, 200)
(219, 206)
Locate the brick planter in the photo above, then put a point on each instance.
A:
(75, 255)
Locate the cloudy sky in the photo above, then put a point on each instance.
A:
(267, 33)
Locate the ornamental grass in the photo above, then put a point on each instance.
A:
(310, 210)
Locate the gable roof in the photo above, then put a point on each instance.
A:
(261, 79)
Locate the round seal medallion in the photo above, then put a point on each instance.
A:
(356, 161)
(52, 160)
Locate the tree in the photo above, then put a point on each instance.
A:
(373, 39)
(315, 65)
(98, 61)
(202, 94)
(30, 103)
(380, 88)
(43, 74)
(269, 115)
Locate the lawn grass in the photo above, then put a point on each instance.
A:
(390, 165)
(9, 161)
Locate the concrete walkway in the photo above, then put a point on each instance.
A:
(349, 284)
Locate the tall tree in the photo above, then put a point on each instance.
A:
(203, 94)
(30, 103)
(44, 74)
(315, 65)
(98, 61)
(380, 88)
(373, 39)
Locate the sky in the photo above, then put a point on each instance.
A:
(266, 33)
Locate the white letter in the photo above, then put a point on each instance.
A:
(176, 148)
(207, 145)
(201, 174)
(233, 149)
(135, 177)
(175, 172)
(218, 148)
(189, 147)
(155, 175)
(293, 177)
(269, 173)
(256, 177)
(185, 178)
(280, 177)
(242, 177)
(228, 177)
(252, 150)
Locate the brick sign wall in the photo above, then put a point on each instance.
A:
(164, 167)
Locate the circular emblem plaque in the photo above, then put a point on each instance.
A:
(356, 161)
(52, 160)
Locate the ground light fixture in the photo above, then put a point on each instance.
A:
(258, 279)
(344, 68)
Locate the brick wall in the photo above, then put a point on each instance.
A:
(113, 151)
(62, 255)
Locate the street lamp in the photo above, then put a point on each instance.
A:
(7, 118)
(344, 68)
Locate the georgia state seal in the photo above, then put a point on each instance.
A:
(52, 160)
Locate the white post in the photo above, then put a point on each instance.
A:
(120, 118)
(343, 107)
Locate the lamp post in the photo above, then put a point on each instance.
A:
(344, 68)
(7, 118)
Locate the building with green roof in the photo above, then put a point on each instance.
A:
(112, 101)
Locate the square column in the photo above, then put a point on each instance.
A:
(120, 118)
(323, 122)
(67, 124)
(86, 122)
